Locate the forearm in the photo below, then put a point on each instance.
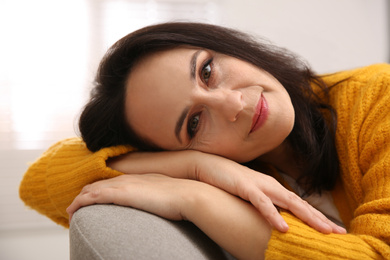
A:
(176, 164)
(231, 222)
(261, 190)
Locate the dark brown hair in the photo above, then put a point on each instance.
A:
(102, 122)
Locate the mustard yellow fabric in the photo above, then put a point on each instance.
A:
(362, 102)
(57, 177)
(362, 196)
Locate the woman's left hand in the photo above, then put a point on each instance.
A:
(154, 193)
(263, 191)
(209, 208)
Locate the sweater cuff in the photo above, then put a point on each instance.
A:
(52, 182)
(303, 242)
(32, 189)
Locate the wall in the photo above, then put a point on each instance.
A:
(331, 35)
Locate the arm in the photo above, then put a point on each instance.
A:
(57, 177)
(365, 136)
(366, 156)
(210, 208)
(362, 100)
(260, 189)
(233, 223)
(53, 181)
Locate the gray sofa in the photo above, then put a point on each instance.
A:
(115, 232)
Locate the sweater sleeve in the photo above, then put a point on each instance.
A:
(363, 143)
(57, 177)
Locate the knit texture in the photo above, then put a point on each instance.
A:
(57, 177)
(362, 196)
(362, 101)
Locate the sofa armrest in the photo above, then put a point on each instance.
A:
(116, 232)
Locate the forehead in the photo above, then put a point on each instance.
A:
(157, 90)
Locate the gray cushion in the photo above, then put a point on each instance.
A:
(116, 232)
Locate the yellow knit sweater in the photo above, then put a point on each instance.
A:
(362, 196)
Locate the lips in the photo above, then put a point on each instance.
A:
(261, 114)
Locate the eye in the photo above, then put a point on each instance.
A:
(193, 125)
(206, 71)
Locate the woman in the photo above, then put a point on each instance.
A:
(214, 97)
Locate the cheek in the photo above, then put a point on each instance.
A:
(286, 114)
(223, 145)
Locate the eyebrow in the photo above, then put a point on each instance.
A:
(183, 115)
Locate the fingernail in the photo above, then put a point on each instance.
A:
(341, 230)
(283, 227)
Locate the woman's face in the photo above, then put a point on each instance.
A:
(202, 100)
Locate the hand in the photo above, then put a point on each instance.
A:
(209, 208)
(154, 193)
(262, 191)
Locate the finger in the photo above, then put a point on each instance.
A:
(305, 212)
(288, 200)
(267, 209)
(312, 217)
(89, 196)
(335, 228)
(309, 214)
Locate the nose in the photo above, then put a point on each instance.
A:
(226, 102)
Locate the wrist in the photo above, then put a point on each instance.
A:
(177, 164)
(194, 161)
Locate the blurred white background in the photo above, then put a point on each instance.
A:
(49, 51)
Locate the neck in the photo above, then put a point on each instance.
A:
(284, 159)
